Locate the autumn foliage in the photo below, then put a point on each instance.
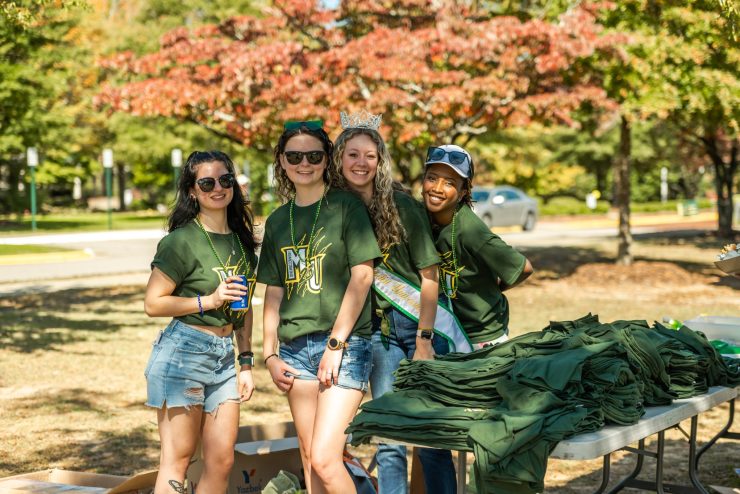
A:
(436, 70)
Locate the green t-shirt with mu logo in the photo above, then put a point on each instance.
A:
(472, 285)
(185, 256)
(416, 252)
(315, 282)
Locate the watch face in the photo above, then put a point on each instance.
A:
(333, 344)
(425, 334)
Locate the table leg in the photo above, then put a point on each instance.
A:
(605, 472)
(692, 456)
(638, 468)
(659, 463)
(723, 433)
(462, 471)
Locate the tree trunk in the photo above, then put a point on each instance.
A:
(622, 192)
(724, 174)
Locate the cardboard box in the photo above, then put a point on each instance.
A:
(261, 451)
(64, 481)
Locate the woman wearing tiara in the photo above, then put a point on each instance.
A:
(317, 262)
(363, 164)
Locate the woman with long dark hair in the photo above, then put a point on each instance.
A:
(203, 276)
(317, 262)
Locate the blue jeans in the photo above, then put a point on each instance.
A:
(439, 471)
(188, 368)
(305, 352)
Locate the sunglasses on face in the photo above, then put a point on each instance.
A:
(309, 124)
(313, 157)
(455, 157)
(207, 184)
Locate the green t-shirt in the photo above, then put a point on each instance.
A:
(314, 290)
(185, 256)
(482, 259)
(416, 252)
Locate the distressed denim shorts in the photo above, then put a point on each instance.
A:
(188, 368)
(304, 354)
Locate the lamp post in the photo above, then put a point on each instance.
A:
(108, 165)
(32, 158)
(176, 164)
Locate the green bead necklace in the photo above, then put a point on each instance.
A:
(247, 264)
(313, 227)
(447, 289)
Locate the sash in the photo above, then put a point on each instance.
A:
(406, 298)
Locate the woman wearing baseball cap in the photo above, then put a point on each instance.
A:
(477, 266)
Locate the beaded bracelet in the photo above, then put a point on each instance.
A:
(200, 306)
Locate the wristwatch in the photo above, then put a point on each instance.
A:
(335, 344)
(424, 333)
(246, 358)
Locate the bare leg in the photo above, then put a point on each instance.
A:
(219, 436)
(337, 407)
(303, 400)
(179, 428)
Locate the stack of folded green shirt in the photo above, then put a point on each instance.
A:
(513, 402)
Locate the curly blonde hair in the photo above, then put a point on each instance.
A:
(383, 212)
(284, 187)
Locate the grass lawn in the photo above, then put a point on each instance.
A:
(71, 364)
(74, 222)
(11, 250)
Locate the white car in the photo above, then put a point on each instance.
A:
(505, 206)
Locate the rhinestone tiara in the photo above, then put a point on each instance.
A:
(360, 120)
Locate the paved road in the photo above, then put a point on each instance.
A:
(122, 257)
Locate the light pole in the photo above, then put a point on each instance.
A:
(108, 165)
(176, 164)
(32, 158)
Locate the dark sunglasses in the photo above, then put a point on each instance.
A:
(456, 157)
(309, 124)
(207, 184)
(313, 157)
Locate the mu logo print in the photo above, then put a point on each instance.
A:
(449, 274)
(304, 270)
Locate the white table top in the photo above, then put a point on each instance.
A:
(612, 437)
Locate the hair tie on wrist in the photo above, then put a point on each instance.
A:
(269, 357)
(200, 306)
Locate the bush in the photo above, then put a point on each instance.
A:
(570, 205)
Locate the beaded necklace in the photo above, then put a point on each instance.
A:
(313, 227)
(445, 288)
(247, 265)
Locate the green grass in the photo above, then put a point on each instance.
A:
(74, 221)
(572, 206)
(11, 250)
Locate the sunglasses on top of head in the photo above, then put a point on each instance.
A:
(455, 157)
(313, 157)
(207, 184)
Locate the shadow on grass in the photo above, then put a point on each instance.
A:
(716, 468)
(111, 452)
(48, 321)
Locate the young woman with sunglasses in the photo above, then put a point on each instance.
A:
(317, 262)
(196, 274)
(477, 266)
(363, 164)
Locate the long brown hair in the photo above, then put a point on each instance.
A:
(383, 212)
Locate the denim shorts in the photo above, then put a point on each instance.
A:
(304, 354)
(188, 368)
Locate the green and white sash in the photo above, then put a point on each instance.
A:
(406, 298)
